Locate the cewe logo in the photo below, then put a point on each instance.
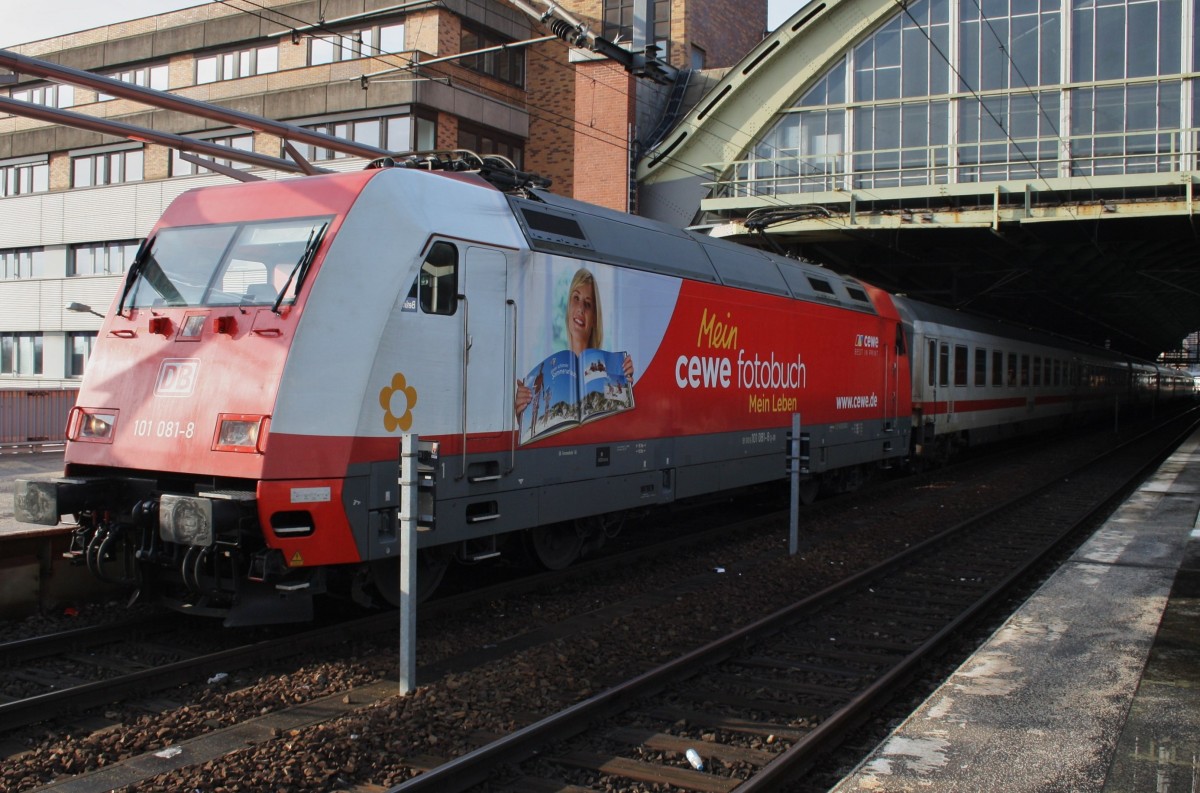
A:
(177, 377)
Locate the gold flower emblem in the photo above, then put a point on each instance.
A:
(397, 401)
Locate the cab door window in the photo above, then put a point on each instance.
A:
(436, 288)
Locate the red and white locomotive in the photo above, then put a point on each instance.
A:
(234, 445)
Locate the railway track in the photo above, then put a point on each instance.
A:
(67, 672)
(482, 635)
(758, 706)
(53, 676)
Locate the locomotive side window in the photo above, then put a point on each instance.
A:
(437, 284)
(997, 368)
(980, 367)
(960, 364)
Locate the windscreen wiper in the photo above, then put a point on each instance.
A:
(135, 269)
(301, 268)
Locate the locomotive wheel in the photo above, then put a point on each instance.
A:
(431, 569)
(555, 546)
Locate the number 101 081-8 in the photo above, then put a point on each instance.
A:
(145, 428)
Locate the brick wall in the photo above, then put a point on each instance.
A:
(550, 149)
(726, 30)
(604, 109)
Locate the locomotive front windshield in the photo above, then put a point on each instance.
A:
(232, 264)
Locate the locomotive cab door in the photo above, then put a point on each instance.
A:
(487, 403)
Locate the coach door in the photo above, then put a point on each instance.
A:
(930, 390)
(937, 380)
(487, 403)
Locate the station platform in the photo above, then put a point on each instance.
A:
(1093, 685)
(31, 465)
(34, 576)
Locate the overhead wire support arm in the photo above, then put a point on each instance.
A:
(577, 34)
(119, 129)
(23, 64)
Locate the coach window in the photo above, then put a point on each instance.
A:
(960, 364)
(1010, 377)
(437, 284)
(930, 358)
(997, 368)
(1024, 381)
(980, 367)
(1037, 370)
(1046, 374)
(944, 365)
(1057, 372)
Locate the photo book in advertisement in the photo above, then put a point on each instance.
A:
(568, 389)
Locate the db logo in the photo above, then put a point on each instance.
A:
(177, 377)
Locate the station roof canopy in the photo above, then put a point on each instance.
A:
(989, 157)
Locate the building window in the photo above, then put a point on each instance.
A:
(1024, 145)
(1036, 90)
(483, 141)
(146, 76)
(618, 20)
(397, 133)
(18, 263)
(48, 95)
(1126, 128)
(358, 43)
(79, 349)
(505, 65)
(103, 168)
(101, 258)
(21, 353)
(22, 177)
(241, 142)
(240, 63)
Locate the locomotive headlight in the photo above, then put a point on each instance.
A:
(185, 520)
(239, 433)
(91, 425)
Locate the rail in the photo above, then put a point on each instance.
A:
(840, 652)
